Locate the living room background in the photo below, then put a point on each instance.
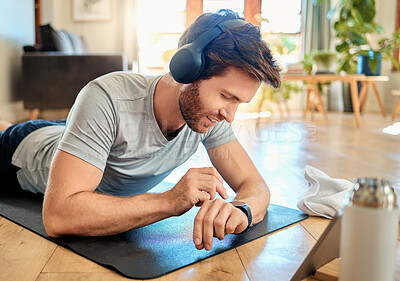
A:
(17, 29)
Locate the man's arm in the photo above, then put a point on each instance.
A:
(72, 207)
(217, 218)
(238, 170)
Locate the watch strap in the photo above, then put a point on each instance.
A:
(245, 209)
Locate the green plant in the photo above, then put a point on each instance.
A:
(356, 21)
(324, 57)
(385, 49)
(308, 63)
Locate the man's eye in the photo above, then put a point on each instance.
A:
(225, 97)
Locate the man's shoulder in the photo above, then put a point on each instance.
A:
(126, 85)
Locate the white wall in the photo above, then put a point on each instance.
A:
(386, 16)
(17, 28)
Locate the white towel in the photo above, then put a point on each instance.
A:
(325, 196)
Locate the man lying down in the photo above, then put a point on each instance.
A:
(126, 132)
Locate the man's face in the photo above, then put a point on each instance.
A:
(207, 102)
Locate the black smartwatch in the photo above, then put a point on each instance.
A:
(245, 209)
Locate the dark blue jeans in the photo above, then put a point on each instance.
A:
(9, 140)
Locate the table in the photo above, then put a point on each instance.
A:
(371, 80)
(396, 93)
(352, 79)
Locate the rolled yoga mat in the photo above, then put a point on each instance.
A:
(150, 251)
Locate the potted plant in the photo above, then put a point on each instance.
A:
(369, 62)
(353, 26)
(323, 61)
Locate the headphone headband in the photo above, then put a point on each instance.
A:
(188, 62)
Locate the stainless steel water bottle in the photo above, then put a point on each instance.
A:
(369, 232)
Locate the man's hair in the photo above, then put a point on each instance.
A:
(241, 47)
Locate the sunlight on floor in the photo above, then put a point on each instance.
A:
(392, 129)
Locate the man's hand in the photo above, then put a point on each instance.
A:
(217, 218)
(197, 186)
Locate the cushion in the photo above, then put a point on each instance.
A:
(65, 42)
(78, 43)
(49, 39)
(61, 41)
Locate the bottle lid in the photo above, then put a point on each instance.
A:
(373, 193)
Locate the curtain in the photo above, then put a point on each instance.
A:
(316, 26)
(317, 36)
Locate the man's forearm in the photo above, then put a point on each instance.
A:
(93, 214)
(257, 196)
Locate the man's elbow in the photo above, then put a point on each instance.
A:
(53, 224)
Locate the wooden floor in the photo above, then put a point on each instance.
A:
(280, 149)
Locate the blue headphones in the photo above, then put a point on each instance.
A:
(188, 62)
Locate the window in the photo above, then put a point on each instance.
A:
(284, 16)
(281, 26)
(211, 6)
(161, 23)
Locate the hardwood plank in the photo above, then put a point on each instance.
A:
(23, 253)
(64, 260)
(328, 272)
(72, 276)
(277, 256)
(315, 226)
(226, 266)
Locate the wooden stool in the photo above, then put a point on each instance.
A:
(314, 100)
(396, 93)
(371, 80)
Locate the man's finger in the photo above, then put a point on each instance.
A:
(235, 223)
(202, 197)
(208, 223)
(198, 225)
(220, 221)
(222, 191)
(219, 187)
(212, 171)
(209, 187)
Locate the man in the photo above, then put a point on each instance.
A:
(126, 132)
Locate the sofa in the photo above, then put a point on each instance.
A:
(54, 72)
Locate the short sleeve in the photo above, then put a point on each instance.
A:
(91, 126)
(218, 135)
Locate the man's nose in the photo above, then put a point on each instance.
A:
(229, 112)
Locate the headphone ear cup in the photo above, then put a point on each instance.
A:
(187, 64)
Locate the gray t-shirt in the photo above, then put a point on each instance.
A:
(112, 126)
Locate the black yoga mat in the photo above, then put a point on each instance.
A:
(151, 251)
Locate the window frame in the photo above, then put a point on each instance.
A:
(194, 8)
(397, 26)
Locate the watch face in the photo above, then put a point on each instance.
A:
(237, 203)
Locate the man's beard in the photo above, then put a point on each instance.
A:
(192, 109)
